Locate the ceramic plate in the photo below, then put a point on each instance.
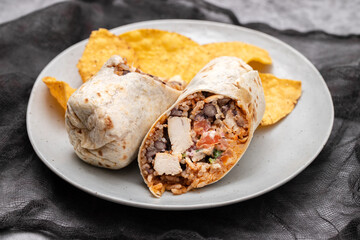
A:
(275, 155)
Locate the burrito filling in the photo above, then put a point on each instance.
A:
(122, 69)
(195, 144)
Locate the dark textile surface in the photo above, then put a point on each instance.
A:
(320, 203)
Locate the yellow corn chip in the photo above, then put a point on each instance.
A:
(281, 96)
(101, 46)
(60, 90)
(246, 52)
(163, 54)
(167, 54)
(200, 57)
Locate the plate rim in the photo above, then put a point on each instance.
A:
(177, 206)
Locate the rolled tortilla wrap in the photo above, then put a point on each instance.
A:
(203, 135)
(108, 116)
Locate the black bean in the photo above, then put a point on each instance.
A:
(207, 94)
(223, 101)
(209, 110)
(183, 166)
(125, 72)
(224, 109)
(176, 112)
(159, 145)
(150, 154)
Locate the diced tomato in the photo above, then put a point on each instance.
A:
(208, 139)
(201, 126)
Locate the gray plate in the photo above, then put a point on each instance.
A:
(275, 155)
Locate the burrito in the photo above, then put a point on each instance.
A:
(109, 115)
(205, 132)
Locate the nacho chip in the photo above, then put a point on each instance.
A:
(246, 52)
(200, 57)
(101, 46)
(60, 90)
(281, 96)
(163, 54)
(168, 54)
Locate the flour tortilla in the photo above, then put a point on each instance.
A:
(108, 116)
(230, 77)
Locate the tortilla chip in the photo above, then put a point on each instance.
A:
(168, 54)
(198, 59)
(201, 56)
(281, 96)
(101, 46)
(246, 52)
(60, 90)
(164, 54)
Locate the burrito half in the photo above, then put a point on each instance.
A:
(108, 116)
(204, 134)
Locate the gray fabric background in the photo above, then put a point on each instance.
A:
(332, 16)
(323, 202)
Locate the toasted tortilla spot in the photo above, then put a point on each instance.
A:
(208, 68)
(108, 123)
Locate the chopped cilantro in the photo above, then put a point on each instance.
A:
(217, 153)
